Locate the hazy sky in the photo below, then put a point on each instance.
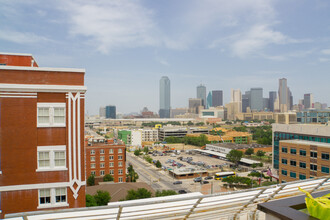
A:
(126, 46)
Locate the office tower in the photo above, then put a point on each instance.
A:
(257, 102)
(217, 98)
(308, 100)
(42, 136)
(272, 98)
(194, 105)
(102, 112)
(236, 98)
(285, 96)
(110, 111)
(209, 100)
(201, 94)
(266, 103)
(164, 97)
(245, 101)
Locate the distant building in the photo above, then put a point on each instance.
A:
(308, 100)
(233, 109)
(308, 116)
(164, 97)
(194, 105)
(217, 98)
(285, 96)
(266, 104)
(303, 159)
(106, 158)
(149, 135)
(146, 113)
(178, 111)
(272, 98)
(201, 94)
(250, 116)
(209, 100)
(171, 132)
(110, 111)
(214, 112)
(102, 112)
(317, 105)
(286, 118)
(245, 101)
(236, 97)
(256, 101)
(131, 137)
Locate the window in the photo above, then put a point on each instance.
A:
(111, 151)
(284, 172)
(102, 151)
(102, 158)
(284, 150)
(111, 164)
(284, 161)
(51, 115)
(324, 169)
(313, 154)
(102, 172)
(120, 157)
(52, 197)
(92, 152)
(313, 167)
(93, 173)
(302, 153)
(293, 163)
(293, 174)
(92, 159)
(51, 158)
(120, 164)
(110, 157)
(112, 172)
(101, 165)
(92, 165)
(120, 151)
(120, 171)
(325, 156)
(302, 176)
(293, 151)
(302, 165)
(120, 179)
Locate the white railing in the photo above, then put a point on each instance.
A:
(230, 205)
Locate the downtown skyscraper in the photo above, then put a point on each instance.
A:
(285, 96)
(201, 94)
(164, 97)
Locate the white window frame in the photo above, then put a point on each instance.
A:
(51, 150)
(92, 158)
(120, 151)
(93, 166)
(92, 152)
(102, 158)
(53, 202)
(102, 165)
(111, 164)
(120, 179)
(120, 164)
(110, 151)
(51, 107)
(102, 172)
(112, 172)
(111, 157)
(120, 157)
(120, 172)
(102, 151)
(93, 173)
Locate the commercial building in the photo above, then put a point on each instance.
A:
(209, 100)
(149, 135)
(302, 159)
(313, 116)
(217, 98)
(256, 99)
(131, 137)
(214, 112)
(308, 100)
(194, 105)
(164, 97)
(227, 147)
(230, 137)
(171, 132)
(110, 111)
(245, 101)
(102, 112)
(255, 116)
(178, 111)
(106, 158)
(41, 130)
(272, 98)
(201, 94)
(285, 96)
(233, 109)
(314, 133)
(286, 118)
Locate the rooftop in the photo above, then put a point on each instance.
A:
(304, 142)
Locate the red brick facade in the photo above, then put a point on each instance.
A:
(41, 137)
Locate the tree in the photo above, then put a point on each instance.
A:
(102, 197)
(132, 175)
(146, 149)
(165, 193)
(249, 151)
(234, 156)
(260, 153)
(158, 164)
(107, 178)
(91, 180)
(90, 201)
(190, 123)
(140, 193)
(137, 152)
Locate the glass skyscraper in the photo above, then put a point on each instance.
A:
(217, 98)
(110, 111)
(201, 94)
(164, 97)
(256, 101)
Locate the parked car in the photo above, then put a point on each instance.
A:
(198, 179)
(182, 191)
(205, 182)
(177, 182)
(208, 178)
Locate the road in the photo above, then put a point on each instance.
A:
(158, 180)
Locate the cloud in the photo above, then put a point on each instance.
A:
(324, 60)
(325, 51)
(21, 37)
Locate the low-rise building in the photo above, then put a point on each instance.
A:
(171, 132)
(313, 116)
(106, 158)
(302, 159)
(286, 118)
(149, 135)
(227, 147)
(255, 116)
(214, 112)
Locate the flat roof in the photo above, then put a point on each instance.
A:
(238, 146)
(16, 54)
(50, 69)
(187, 171)
(304, 142)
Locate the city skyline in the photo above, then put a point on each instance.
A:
(127, 46)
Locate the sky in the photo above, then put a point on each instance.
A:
(126, 46)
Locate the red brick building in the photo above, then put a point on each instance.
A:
(41, 136)
(106, 158)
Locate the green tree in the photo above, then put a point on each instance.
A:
(91, 180)
(132, 175)
(148, 158)
(158, 164)
(234, 156)
(90, 201)
(146, 149)
(249, 151)
(260, 153)
(102, 197)
(140, 193)
(137, 152)
(107, 178)
(165, 193)
(241, 129)
(190, 123)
